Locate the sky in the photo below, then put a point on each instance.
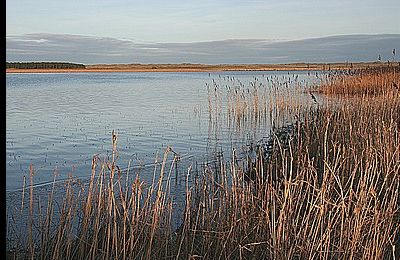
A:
(192, 22)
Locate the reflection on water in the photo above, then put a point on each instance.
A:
(57, 122)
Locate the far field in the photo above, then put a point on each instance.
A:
(190, 67)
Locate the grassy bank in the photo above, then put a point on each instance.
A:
(328, 189)
(188, 67)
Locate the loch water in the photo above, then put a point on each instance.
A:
(57, 122)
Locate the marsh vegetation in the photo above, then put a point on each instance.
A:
(325, 184)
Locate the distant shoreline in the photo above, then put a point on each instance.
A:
(185, 67)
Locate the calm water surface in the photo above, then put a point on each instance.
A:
(59, 121)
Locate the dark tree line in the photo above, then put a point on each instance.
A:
(43, 65)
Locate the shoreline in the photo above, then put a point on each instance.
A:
(104, 68)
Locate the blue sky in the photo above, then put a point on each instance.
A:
(206, 20)
(122, 31)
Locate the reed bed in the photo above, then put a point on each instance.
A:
(364, 82)
(110, 217)
(269, 102)
(328, 190)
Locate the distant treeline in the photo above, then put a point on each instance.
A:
(43, 65)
